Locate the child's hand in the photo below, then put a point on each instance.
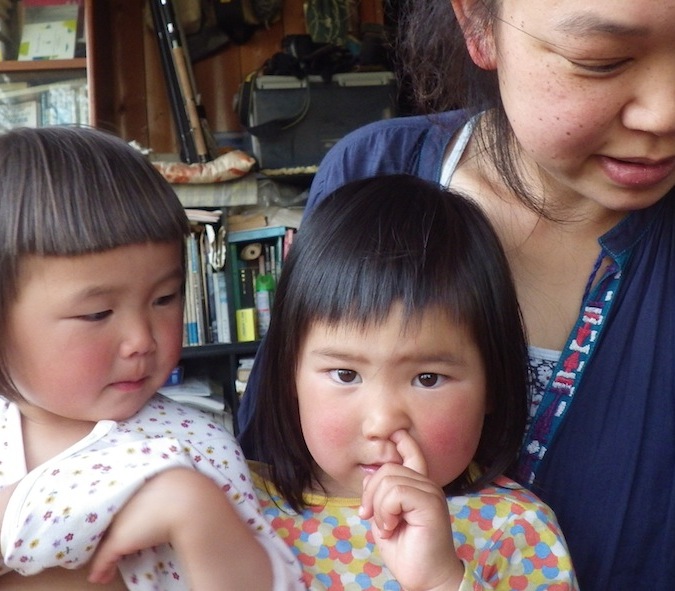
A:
(185, 508)
(410, 521)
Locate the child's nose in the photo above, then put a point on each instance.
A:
(384, 413)
(138, 338)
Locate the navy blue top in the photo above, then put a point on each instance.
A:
(609, 472)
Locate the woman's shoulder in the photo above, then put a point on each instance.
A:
(411, 144)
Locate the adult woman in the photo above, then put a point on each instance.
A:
(570, 150)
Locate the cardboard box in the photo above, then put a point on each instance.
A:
(312, 115)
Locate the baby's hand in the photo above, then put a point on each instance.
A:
(410, 521)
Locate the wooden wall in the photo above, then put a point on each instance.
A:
(143, 111)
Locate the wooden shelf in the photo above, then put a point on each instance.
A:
(219, 350)
(79, 63)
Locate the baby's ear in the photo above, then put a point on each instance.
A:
(480, 41)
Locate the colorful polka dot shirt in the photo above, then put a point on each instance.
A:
(505, 536)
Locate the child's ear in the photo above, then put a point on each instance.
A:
(480, 42)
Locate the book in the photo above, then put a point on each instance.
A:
(246, 325)
(193, 298)
(247, 277)
(254, 253)
(9, 29)
(48, 32)
(19, 114)
(239, 222)
(222, 309)
(57, 103)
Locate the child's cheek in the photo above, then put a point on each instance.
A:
(449, 448)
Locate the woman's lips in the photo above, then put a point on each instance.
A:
(637, 173)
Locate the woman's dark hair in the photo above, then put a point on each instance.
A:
(68, 191)
(368, 246)
(432, 58)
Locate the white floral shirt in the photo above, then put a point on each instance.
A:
(61, 509)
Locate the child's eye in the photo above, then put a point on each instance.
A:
(428, 380)
(345, 376)
(96, 316)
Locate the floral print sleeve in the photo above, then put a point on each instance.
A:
(60, 510)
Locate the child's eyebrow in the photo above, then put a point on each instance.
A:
(443, 357)
(335, 353)
(585, 24)
(175, 274)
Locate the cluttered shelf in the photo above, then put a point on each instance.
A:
(225, 363)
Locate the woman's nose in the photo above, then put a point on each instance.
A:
(653, 107)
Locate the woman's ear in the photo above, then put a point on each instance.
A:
(478, 32)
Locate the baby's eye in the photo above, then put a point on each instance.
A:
(345, 376)
(167, 299)
(428, 380)
(96, 316)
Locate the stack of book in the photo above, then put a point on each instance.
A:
(255, 260)
(223, 302)
(207, 314)
(39, 30)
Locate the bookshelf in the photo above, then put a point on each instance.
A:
(219, 361)
(37, 89)
(215, 363)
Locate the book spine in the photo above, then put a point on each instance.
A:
(222, 308)
(198, 286)
(206, 292)
(247, 277)
(212, 316)
(246, 325)
(288, 241)
(190, 289)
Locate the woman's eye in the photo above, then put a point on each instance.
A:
(428, 380)
(598, 67)
(345, 376)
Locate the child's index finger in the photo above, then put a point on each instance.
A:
(410, 452)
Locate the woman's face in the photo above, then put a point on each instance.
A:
(589, 89)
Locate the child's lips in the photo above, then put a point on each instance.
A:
(370, 468)
(130, 385)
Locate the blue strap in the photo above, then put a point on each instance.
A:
(567, 375)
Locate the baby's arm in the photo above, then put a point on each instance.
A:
(411, 523)
(5, 494)
(187, 509)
